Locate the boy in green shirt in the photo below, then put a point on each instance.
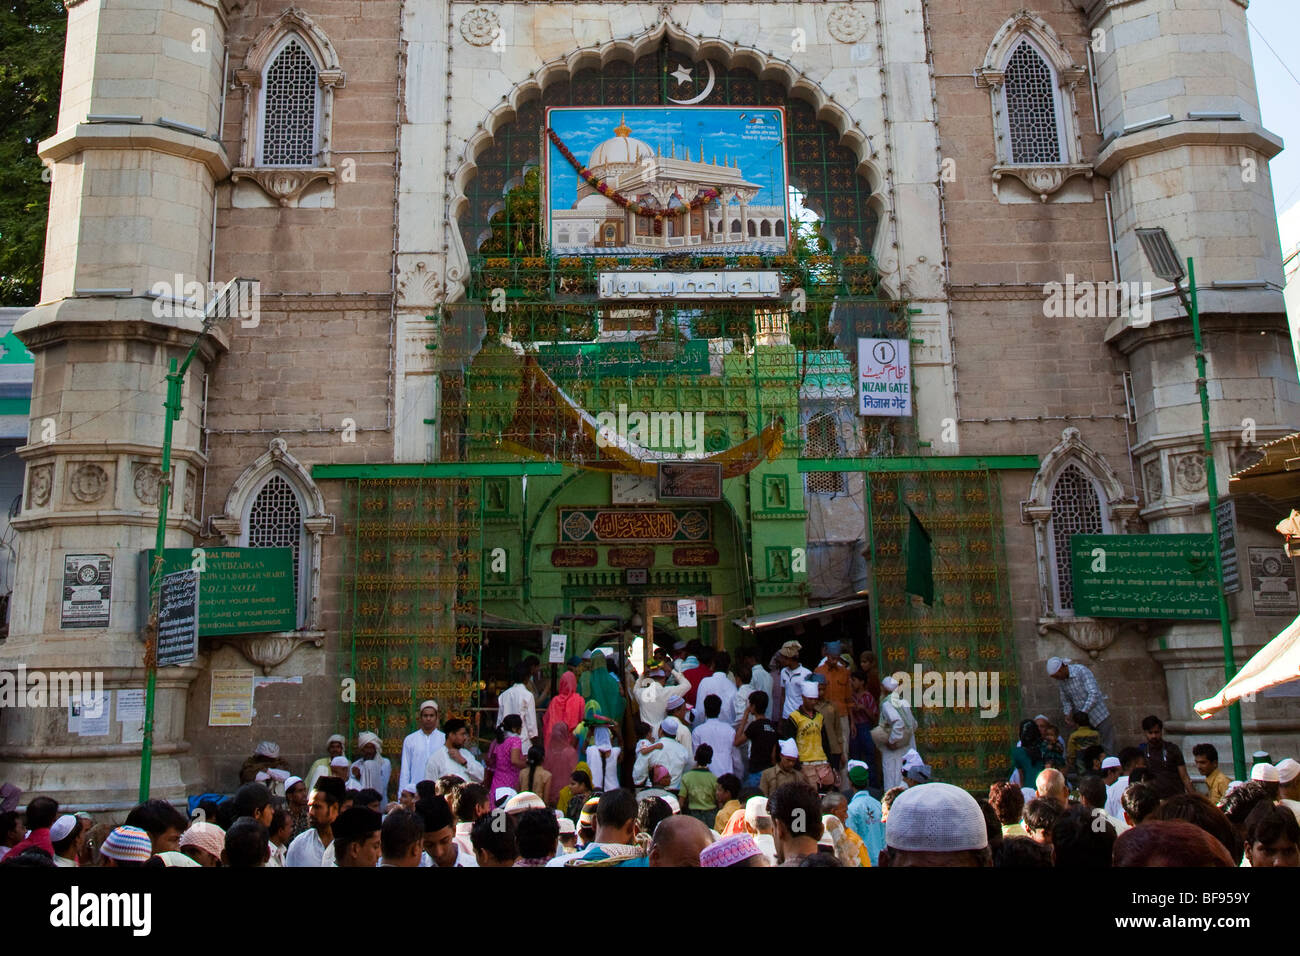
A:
(700, 787)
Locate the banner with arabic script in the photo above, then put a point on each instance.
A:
(608, 525)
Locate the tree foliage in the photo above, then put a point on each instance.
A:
(31, 69)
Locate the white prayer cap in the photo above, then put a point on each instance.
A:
(673, 803)
(1233, 785)
(504, 793)
(366, 737)
(809, 689)
(177, 858)
(889, 684)
(339, 762)
(261, 777)
(601, 738)
(267, 749)
(855, 763)
(674, 702)
(408, 788)
(1053, 665)
(1287, 770)
(337, 738)
(428, 703)
(1259, 755)
(566, 826)
(936, 817)
(291, 783)
(1265, 772)
(62, 827)
(669, 726)
(524, 801)
(789, 749)
(275, 773)
(1109, 762)
(755, 810)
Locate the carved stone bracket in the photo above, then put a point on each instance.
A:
(1045, 179)
(270, 650)
(283, 185)
(1090, 634)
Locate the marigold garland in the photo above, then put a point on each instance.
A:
(705, 197)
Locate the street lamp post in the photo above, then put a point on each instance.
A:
(214, 310)
(1164, 261)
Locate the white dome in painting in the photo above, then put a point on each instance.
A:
(621, 149)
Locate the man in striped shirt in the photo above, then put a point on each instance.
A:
(1079, 691)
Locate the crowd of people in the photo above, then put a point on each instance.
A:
(707, 762)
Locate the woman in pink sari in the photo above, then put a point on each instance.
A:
(561, 758)
(567, 706)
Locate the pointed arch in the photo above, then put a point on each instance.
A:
(1032, 79)
(275, 503)
(1074, 492)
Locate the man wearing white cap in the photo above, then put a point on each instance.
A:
(758, 824)
(936, 825)
(1079, 691)
(784, 771)
(1288, 782)
(672, 756)
(1110, 769)
(372, 770)
(321, 768)
(792, 677)
(807, 726)
(894, 734)
(915, 770)
(66, 835)
(1267, 774)
(420, 745)
(652, 693)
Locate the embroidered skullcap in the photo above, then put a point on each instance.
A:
(205, 836)
(62, 827)
(936, 817)
(339, 762)
(889, 684)
(428, 703)
(1109, 762)
(291, 783)
(674, 702)
(730, 850)
(127, 845)
(524, 801)
(566, 826)
(267, 749)
(588, 816)
(669, 726)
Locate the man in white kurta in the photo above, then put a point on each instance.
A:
(895, 727)
(518, 699)
(453, 757)
(673, 757)
(723, 685)
(373, 770)
(652, 693)
(419, 746)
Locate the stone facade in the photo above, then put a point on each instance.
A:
(353, 251)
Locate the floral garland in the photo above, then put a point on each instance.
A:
(705, 197)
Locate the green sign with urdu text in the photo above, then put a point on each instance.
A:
(241, 590)
(1166, 576)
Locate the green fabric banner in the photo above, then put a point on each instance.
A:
(920, 568)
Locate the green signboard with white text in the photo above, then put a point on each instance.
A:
(241, 590)
(1165, 576)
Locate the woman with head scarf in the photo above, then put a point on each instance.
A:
(372, 770)
(561, 759)
(1027, 758)
(601, 685)
(602, 758)
(566, 707)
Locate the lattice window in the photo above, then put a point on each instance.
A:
(289, 108)
(1032, 115)
(275, 520)
(1076, 509)
(822, 441)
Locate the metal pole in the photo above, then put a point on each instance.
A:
(173, 411)
(1212, 489)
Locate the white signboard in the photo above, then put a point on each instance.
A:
(559, 647)
(884, 377)
(87, 590)
(686, 613)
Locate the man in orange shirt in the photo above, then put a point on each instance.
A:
(836, 690)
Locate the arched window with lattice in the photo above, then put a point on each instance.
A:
(1032, 107)
(290, 107)
(274, 520)
(1076, 509)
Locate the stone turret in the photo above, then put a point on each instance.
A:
(1185, 151)
(134, 160)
